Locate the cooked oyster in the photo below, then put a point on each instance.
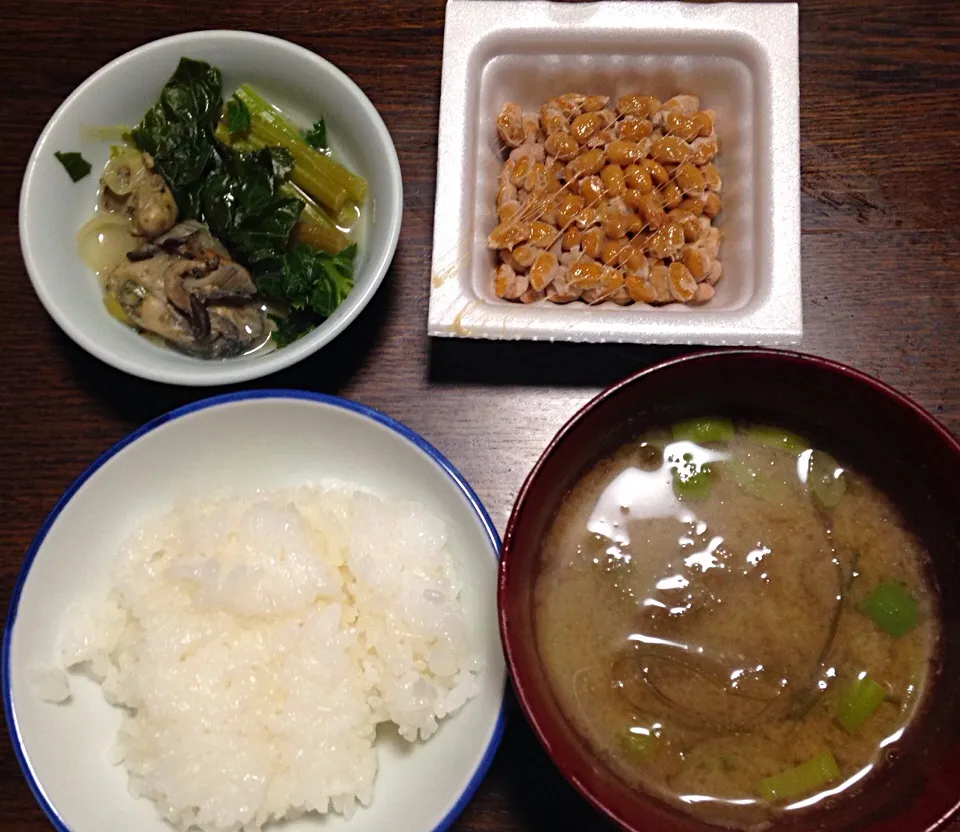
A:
(201, 306)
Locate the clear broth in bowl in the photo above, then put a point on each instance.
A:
(733, 620)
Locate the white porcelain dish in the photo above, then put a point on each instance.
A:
(52, 208)
(297, 437)
(740, 58)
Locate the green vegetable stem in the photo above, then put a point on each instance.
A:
(318, 186)
(250, 176)
(248, 205)
(315, 228)
(268, 126)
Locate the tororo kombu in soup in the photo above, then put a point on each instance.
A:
(734, 620)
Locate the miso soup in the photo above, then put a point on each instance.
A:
(733, 620)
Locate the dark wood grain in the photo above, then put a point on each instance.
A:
(880, 88)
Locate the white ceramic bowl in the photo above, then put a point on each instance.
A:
(291, 438)
(52, 208)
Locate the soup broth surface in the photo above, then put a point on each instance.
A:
(733, 620)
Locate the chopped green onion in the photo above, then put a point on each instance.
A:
(827, 479)
(892, 608)
(692, 486)
(638, 745)
(802, 779)
(758, 483)
(703, 430)
(778, 438)
(858, 702)
(743, 475)
(74, 164)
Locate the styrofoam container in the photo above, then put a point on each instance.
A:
(740, 58)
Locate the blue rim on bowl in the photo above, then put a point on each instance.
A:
(411, 436)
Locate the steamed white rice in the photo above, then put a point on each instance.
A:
(257, 642)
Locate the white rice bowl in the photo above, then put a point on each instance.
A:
(256, 643)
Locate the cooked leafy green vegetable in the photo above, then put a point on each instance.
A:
(237, 175)
(243, 207)
(250, 204)
(316, 136)
(311, 280)
(802, 779)
(290, 328)
(327, 181)
(316, 186)
(238, 116)
(316, 227)
(327, 278)
(177, 131)
(892, 608)
(858, 702)
(703, 430)
(74, 164)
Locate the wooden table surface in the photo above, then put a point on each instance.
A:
(880, 130)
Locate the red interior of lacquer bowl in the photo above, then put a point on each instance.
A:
(911, 456)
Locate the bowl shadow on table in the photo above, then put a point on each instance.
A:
(540, 363)
(533, 786)
(329, 370)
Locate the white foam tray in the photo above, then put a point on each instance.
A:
(740, 58)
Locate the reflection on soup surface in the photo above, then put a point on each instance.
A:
(733, 620)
